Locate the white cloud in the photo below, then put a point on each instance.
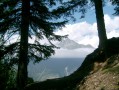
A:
(77, 53)
(112, 24)
(86, 33)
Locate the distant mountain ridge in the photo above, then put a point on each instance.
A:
(70, 44)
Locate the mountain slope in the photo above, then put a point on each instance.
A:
(104, 76)
(70, 44)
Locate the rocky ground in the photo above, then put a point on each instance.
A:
(105, 76)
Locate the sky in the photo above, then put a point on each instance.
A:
(84, 31)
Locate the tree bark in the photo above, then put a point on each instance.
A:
(23, 54)
(100, 24)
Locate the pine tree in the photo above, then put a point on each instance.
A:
(100, 24)
(26, 19)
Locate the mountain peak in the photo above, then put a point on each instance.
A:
(71, 44)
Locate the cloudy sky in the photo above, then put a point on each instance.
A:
(84, 31)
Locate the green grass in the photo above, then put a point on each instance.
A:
(113, 70)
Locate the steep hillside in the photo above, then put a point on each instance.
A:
(104, 76)
(97, 72)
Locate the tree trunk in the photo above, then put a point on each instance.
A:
(100, 24)
(23, 54)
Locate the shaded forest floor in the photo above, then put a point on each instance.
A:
(97, 72)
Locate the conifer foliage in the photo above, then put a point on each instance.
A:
(116, 4)
(24, 20)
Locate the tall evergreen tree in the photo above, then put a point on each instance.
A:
(28, 19)
(100, 23)
(23, 53)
